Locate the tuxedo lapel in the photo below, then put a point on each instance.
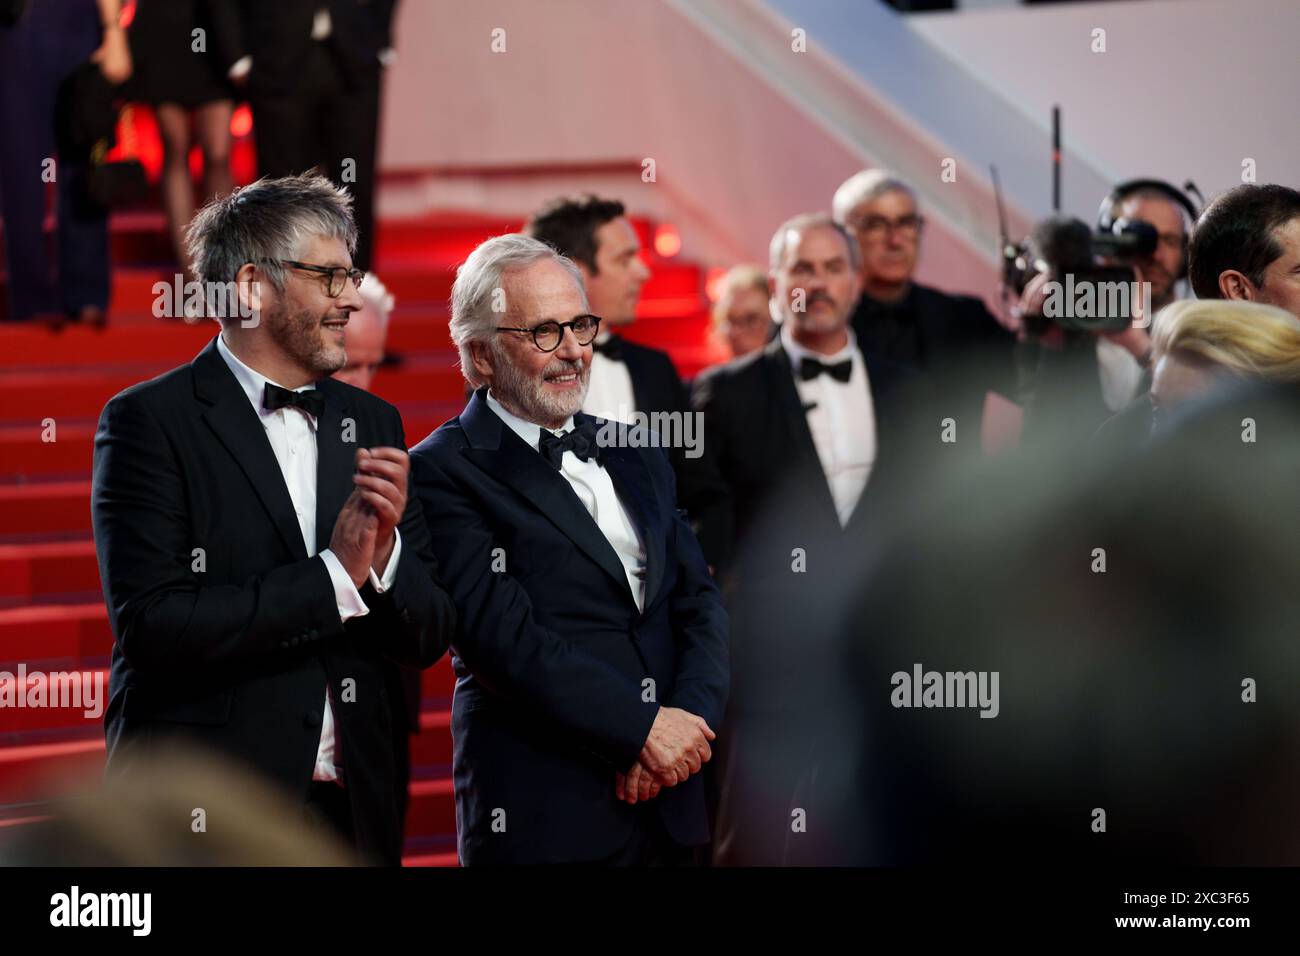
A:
(237, 427)
(790, 410)
(503, 455)
(335, 459)
(794, 420)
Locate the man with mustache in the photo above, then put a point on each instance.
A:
(591, 657)
(800, 431)
(263, 564)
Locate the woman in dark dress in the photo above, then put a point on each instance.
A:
(182, 74)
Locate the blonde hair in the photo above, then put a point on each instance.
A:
(1246, 339)
(737, 278)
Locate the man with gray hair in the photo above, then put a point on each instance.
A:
(953, 340)
(799, 431)
(262, 563)
(591, 656)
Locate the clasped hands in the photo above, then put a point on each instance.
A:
(364, 530)
(676, 747)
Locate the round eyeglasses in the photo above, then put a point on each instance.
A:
(548, 335)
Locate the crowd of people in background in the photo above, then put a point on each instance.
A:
(849, 382)
(310, 72)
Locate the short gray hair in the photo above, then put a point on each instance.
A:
(376, 295)
(266, 221)
(803, 223)
(478, 278)
(865, 186)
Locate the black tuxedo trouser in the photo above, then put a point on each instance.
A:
(328, 808)
(649, 844)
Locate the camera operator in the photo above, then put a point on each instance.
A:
(1143, 223)
(1088, 318)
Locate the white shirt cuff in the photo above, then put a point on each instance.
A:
(346, 595)
(382, 584)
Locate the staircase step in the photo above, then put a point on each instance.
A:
(55, 506)
(32, 771)
(432, 808)
(72, 633)
(431, 747)
(432, 859)
(57, 567)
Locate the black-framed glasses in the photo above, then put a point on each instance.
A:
(338, 275)
(909, 227)
(548, 335)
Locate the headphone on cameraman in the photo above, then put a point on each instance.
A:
(1106, 221)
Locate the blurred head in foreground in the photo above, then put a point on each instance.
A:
(179, 808)
(1138, 611)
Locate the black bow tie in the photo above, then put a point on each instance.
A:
(810, 368)
(312, 401)
(581, 440)
(611, 348)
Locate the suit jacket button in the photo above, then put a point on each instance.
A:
(312, 720)
(284, 644)
(406, 616)
(312, 634)
(293, 642)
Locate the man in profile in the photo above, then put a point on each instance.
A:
(215, 487)
(1246, 245)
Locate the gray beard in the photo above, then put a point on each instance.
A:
(527, 397)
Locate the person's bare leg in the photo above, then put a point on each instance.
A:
(212, 129)
(177, 188)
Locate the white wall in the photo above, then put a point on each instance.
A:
(1186, 89)
(586, 80)
(744, 134)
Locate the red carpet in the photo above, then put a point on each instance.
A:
(52, 616)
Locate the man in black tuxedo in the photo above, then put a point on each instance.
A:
(804, 433)
(314, 71)
(591, 655)
(960, 349)
(628, 378)
(215, 487)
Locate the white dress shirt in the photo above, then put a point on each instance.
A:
(292, 435)
(595, 489)
(842, 420)
(609, 390)
(1120, 371)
